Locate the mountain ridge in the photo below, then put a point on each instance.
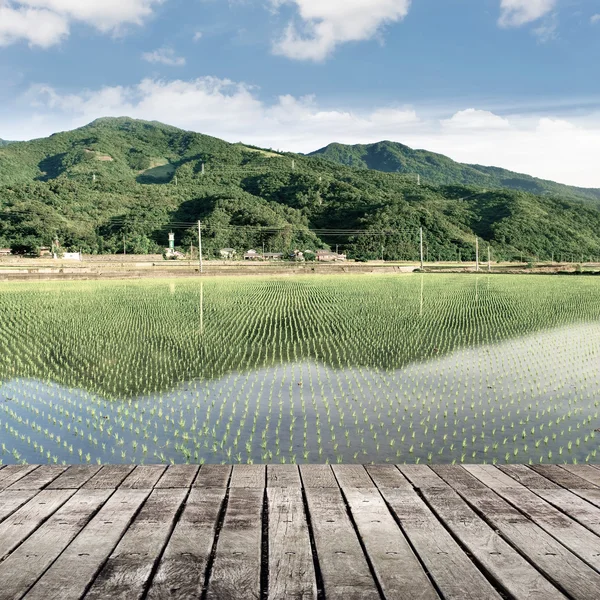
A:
(121, 179)
(389, 157)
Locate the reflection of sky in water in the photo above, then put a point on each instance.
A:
(525, 399)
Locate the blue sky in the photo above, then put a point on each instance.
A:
(512, 83)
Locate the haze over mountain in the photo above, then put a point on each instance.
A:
(122, 179)
(393, 157)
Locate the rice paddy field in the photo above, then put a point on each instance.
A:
(398, 368)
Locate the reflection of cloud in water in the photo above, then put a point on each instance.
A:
(521, 399)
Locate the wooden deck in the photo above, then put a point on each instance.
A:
(285, 532)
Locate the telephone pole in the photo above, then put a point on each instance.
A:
(477, 254)
(124, 249)
(421, 239)
(489, 259)
(200, 245)
(418, 179)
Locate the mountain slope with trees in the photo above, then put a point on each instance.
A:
(392, 157)
(122, 181)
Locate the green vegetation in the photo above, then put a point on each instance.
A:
(119, 179)
(392, 157)
(4, 143)
(356, 369)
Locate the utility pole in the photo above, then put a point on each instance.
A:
(421, 245)
(477, 254)
(94, 178)
(202, 168)
(124, 249)
(200, 245)
(418, 179)
(293, 164)
(176, 180)
(336, 249)
(489, 259)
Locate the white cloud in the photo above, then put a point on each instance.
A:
(595, 19)
(514, 13)
(45, 23)
(560, 148)
(164, 56)
(328, 23)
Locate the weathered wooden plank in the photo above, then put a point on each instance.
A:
(18, 526)
(108, 477)
(182, 570)
(396, 567)
(344, 568)
(453, 572)
(318, 476)
(12, 473)
(12, 500)
(39, 478)
(586, 472)
(421, 476)
(283, 476)
(178, 476)
(563, 478)
(30, 560)
(458, 478)
(143, 477)
(592, 496)
(558, 564)
(248, 476)
(213, 476)
(126, 573)
(492, 477)
(237, 564)
(388, 476)
(508, 568)
(525, 476)
(74, 477)
(291, 567)
(354, 476)
(78, 565)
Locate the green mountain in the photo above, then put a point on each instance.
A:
(121, 180)
(392, 157)
(4, 143)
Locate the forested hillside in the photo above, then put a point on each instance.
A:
(120, 181)
(392, 157)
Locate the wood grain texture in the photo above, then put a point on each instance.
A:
(354, 476)
(388, 476)
(586, 472)
(454, 573)
(12, 473)
(318, 476)
(345, 571)
(178, 476)
(237, 565)
(396, 567)
(74, 477)
(512, 572)
(291, 568)
(39, 478)
(182, 569)
(12, 500)
(108, 477)
(143, 477)
(248, 476)
(29, 561)
(213, 476)
(78, 565)
(128, 569)
(283, 476)
(18, 526)
(563, 478)
(525, 476)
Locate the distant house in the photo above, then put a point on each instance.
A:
(45, 251)
(252, 255)
(5, 251)
(327, 256)
(273, 255)
(72, 256)
(227, 253)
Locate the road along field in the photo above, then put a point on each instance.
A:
(360, 368)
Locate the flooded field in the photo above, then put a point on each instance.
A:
(440, 368)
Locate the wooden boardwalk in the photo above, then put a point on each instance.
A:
(311, 532)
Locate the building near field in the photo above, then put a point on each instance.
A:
(227, 253)
(5, 251)
(327, 256)
(273, 255)
(252, 255)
